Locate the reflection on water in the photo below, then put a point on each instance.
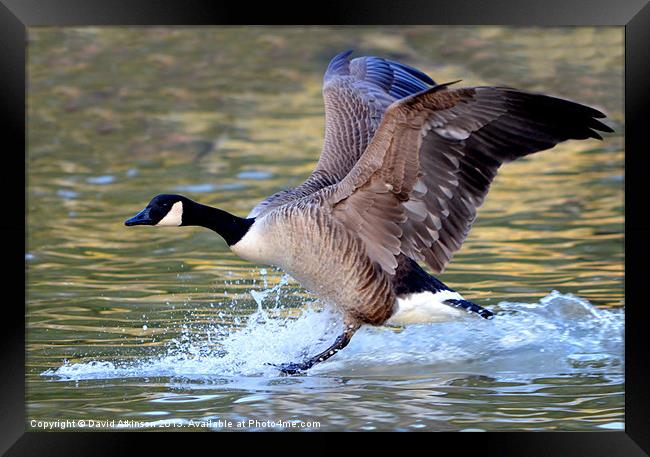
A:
(167, 324)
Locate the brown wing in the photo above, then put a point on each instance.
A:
(356, 94)
(416, 188)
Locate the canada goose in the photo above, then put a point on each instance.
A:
(405, 165)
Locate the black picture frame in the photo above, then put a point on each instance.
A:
(634, 15)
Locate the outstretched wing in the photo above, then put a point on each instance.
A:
(416, 188)
(356, 94)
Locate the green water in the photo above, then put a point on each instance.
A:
(132, 324)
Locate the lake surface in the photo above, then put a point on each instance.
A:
(166, 329)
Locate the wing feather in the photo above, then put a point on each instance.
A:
(356, 94)
(416, 188)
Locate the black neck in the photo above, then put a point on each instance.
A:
(230, 227)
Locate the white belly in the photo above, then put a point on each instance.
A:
(425, 307)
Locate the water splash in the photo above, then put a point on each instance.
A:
(260, 296)
(560, 334)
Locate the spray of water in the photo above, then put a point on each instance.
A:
(560, 334)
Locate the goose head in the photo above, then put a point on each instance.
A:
(168, 210)
(162, 211)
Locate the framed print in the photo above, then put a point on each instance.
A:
(266, 227)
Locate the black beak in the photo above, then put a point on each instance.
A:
(142, 218)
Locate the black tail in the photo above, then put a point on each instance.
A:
(470, 307)
(410, 278)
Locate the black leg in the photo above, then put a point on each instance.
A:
(340, 342)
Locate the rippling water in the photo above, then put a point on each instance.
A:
(167, 326)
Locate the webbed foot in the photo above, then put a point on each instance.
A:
(340, 343)
(293, 368)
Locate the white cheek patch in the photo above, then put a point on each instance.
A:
(174, 217)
